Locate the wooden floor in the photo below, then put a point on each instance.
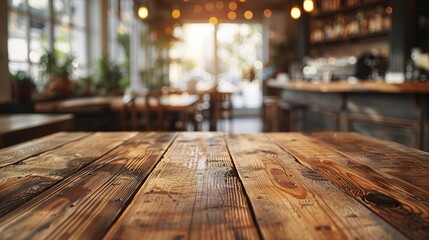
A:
(211, 185)
(241, 124)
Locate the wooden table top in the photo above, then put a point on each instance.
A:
(207, 185)
(15, 128)
(170, 102)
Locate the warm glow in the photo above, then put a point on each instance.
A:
(267, 13)
(122, 29)
(232, 6)
(213, 20)
(197, 8)
(248, 14)
(308, 5)
(258, 65)
(168, 31)
(295, 12)
(175, 14)
(232, 15)
(143, 12)
(209, 6)
(219, 5)
(389, 10)
(242, 0)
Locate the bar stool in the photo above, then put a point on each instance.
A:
(225, 109)
(280, 115)
(270, 115)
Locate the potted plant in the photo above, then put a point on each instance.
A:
(22, 87)
(108, 76)
(57, 67)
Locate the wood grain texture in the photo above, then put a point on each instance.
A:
(193, 193)
(291, 201)
(398, 161)
(21, 182)
(17, 153)
(401, 204)
(84, 205)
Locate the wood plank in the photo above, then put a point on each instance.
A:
(395, 160)
(19, 183)
(193, 193)
(291, 201)
(401, 204)
(84, 205)
(17, 153)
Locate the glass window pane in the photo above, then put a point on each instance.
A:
(60, 11)
(39, 7)
(78, 46)
(17, 41)
(78, 13)
(36, 75)
(38, 39)
(61, 36)
(14, 67)
(17, 4)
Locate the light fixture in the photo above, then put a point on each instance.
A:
(209, 6)
(389, 10)
(295, 12)
(308, 5)
(143, 12)
(197, 8)
(248, 14)
(232, 6)
(175, 13)
(267, 13)
(232, 15)
(213, 20)
(219, 5)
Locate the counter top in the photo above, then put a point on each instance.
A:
(208, 185)
(344, 86)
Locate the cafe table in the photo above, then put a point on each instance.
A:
(16, 128)
(183, 104)
(211, 185)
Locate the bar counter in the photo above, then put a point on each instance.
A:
(359, 86)
(393, 112)
(208, 185)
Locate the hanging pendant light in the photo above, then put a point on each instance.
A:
(295, 12)
(175, 13)
(308, 5)
(143, 12)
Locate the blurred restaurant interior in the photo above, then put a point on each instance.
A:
(215, 65)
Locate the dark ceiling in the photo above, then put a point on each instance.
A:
(203, 9)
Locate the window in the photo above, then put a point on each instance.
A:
(33, 28)
(120, 17)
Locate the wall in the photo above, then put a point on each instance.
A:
(5, 93)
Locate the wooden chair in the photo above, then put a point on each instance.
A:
(128, 113)
(154, 111)
(225, 109)
(143, 112)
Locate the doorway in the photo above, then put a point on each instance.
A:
(228, 53)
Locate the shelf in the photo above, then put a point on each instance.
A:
(351, 39)
(331, 13)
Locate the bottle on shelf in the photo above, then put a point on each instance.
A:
(357, 23)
